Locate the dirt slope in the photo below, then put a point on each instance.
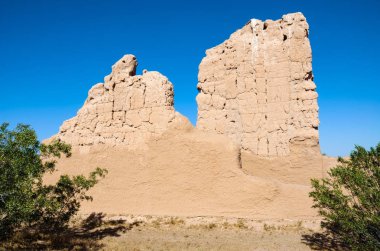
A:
(188, 173)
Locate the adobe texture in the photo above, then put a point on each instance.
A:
(257, 87)
(124, 111)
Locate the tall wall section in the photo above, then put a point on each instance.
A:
(257, 87)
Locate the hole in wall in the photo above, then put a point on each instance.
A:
(309, 76)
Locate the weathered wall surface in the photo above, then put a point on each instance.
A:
(257, 88)
(126, 110)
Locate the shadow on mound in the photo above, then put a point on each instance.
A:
(323, 241)
(80, 236)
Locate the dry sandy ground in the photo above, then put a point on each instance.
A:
(101, 232)
(177, 238)
(210, 233)
(98, 231)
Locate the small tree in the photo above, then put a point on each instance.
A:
(349, 199)
(24, 199)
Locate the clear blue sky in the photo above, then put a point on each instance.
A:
(52, 52)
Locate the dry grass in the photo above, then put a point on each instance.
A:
(241, 224)
(97, 232)
(175, 221)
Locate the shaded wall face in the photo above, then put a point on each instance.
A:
(257, 87)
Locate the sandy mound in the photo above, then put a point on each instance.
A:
(187, 173)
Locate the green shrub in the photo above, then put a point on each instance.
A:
(24, 199)
(349, 200)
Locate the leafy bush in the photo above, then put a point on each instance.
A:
(349, 199)
(24, 199)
